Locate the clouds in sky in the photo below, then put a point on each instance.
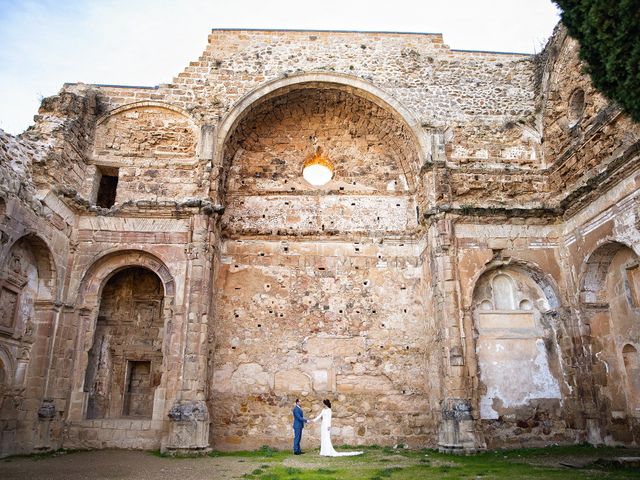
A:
(45, 43)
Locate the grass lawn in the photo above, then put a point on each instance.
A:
(378, 463)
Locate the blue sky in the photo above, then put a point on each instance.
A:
(45, 43)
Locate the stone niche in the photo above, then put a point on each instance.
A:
(27, 288)
(319, 315)
(125, 361)
(145, 131)
(517, 358)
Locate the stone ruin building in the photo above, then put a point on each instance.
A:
(468, 279)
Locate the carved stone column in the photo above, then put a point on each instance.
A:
(459, 432)
(189, 416)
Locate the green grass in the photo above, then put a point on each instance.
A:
(386, 463)
(264, 453)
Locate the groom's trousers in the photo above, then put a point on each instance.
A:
(297, 435)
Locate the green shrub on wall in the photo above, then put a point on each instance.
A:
(609, 36)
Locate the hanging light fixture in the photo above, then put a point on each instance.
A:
(317, 169)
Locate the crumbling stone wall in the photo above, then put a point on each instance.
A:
(452, 168)
(153, 149)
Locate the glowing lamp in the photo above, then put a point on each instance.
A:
(317, 169)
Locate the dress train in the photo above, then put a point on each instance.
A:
(326, 447)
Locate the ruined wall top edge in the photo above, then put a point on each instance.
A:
(438, 84)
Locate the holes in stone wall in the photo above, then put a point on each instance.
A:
(107, 187)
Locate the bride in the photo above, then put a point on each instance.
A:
(326, 448)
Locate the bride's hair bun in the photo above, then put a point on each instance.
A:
(327, 402)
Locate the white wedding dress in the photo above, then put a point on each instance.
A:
(326, 448)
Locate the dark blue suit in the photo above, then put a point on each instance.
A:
(298, 425)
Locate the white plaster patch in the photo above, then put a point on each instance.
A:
(542, 378)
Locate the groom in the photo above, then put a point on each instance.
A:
(298, 425)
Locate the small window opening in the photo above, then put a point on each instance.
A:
(107, 189)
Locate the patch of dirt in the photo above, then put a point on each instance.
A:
(123, 464)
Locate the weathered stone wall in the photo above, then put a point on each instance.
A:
(484, 210)
(418, 69)
(34, 244)
(320, 320)
(153, 149)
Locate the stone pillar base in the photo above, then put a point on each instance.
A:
(458, 433)
(46, 418)
(188, 429)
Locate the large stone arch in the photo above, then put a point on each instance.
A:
(29, 309)
(593, 272)
(146, 103)
(544, 280)
(282, 86)
(48, 272)
(110, 263)
(145, 130)
(90, 291)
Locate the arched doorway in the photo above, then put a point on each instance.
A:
(125, 360)
(610, 299)
(27, 296)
